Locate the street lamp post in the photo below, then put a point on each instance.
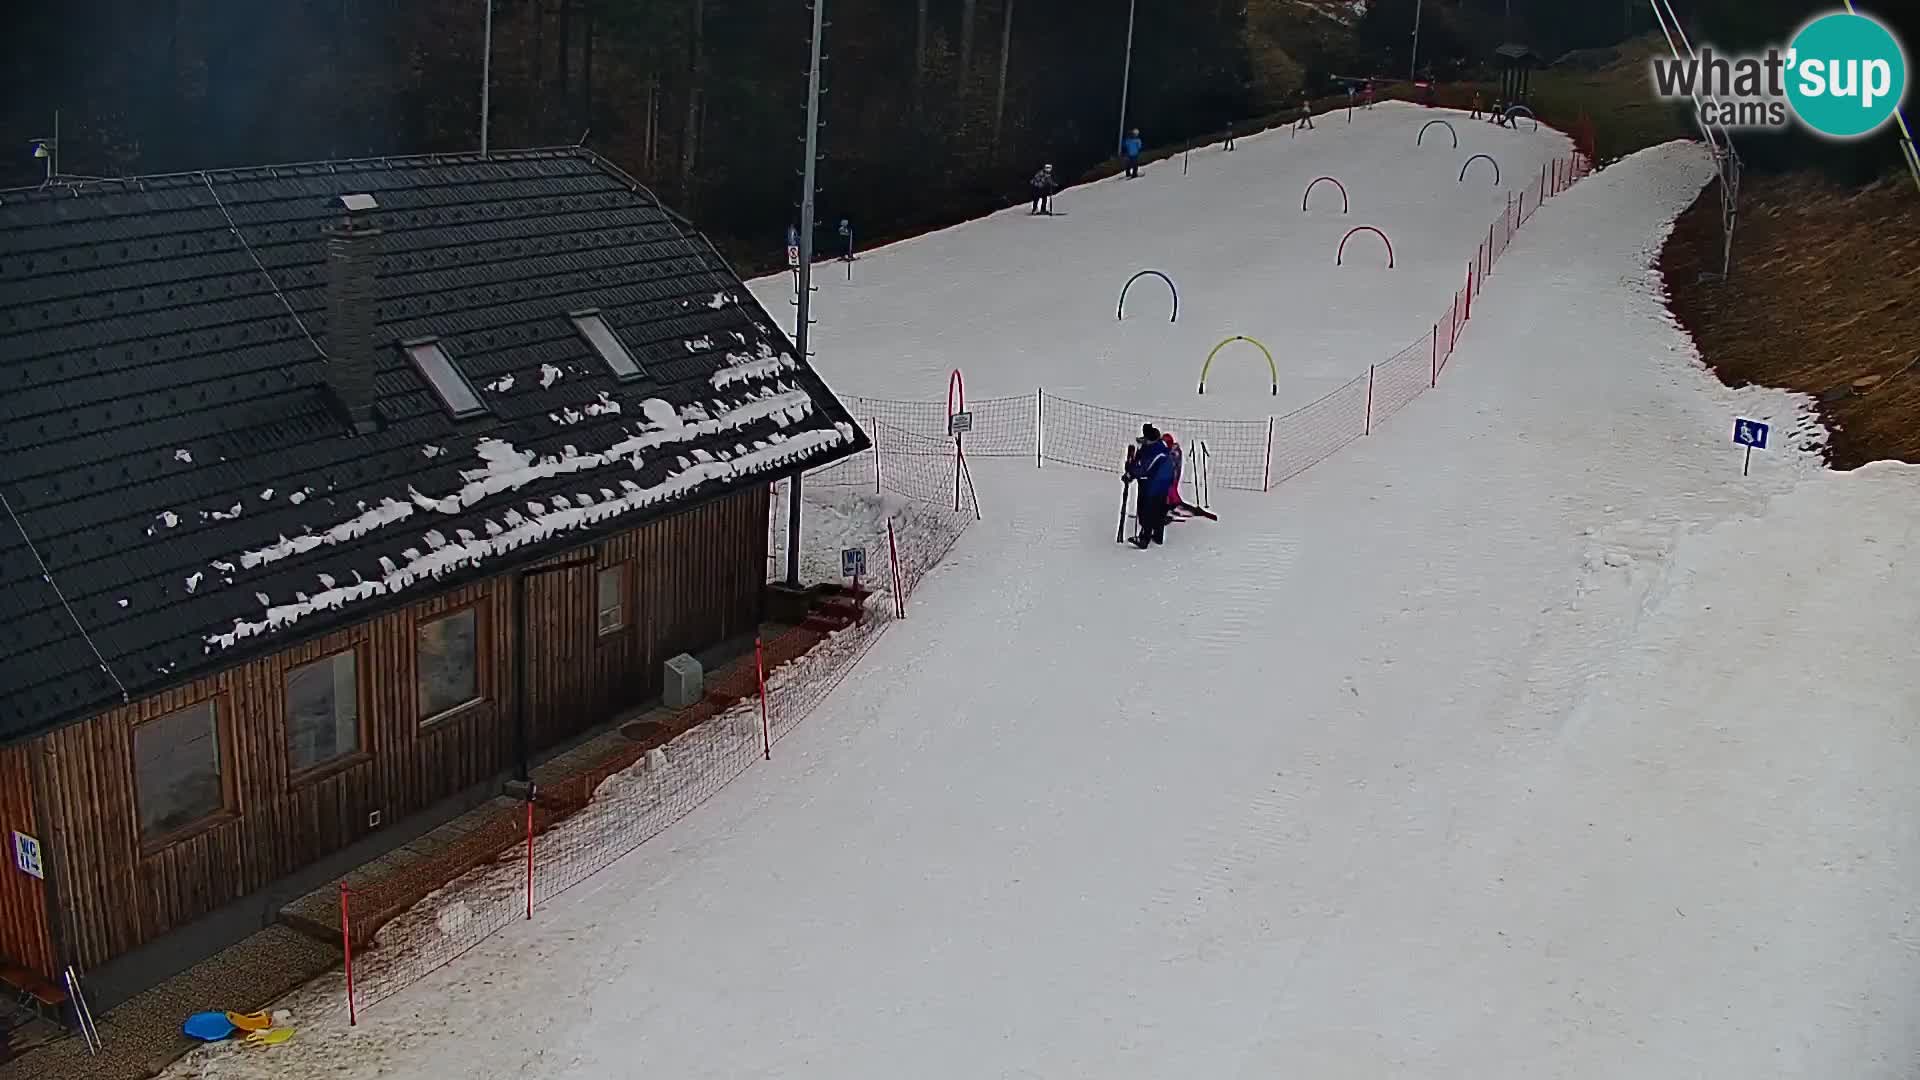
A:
(1126, 76)
(486, 78)
(803, 301)
(1413, 66)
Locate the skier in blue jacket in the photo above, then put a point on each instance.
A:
(1152, 467)
(1130, 148)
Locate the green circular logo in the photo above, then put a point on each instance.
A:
(1848, 75)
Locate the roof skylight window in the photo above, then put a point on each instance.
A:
(605, 342)
(453, 389)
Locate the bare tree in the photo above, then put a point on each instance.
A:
(966, 44)
(585, 118)
(1000, 90)
(696, 62)
(920, 61)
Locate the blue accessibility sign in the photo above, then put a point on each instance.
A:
(1750, 433)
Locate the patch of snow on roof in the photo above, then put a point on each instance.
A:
(720, 300)
(530, 531)
(606, 406)
(122, 601)
(507, 469)
(194, 579)
(223, 567)
(699, 344)
(183, 456)
(548, 375)
(226, 515)
(326, 580)
(266, 495)
(743, 368)
(501, 385)
(661, 413)
(297, 498)
(431, 451)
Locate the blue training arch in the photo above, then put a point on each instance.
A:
(1529, 112)
(1488, 158)
(1120, 312)
(1422, 138)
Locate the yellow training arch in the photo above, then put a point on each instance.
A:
(1272, 368)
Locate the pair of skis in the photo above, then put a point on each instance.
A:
(1126, 490)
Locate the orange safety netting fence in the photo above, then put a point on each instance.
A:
(1249, 455)
(617, 793)
(504, 864)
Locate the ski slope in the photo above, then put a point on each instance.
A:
(1524, 738)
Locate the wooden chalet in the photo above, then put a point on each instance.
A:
(278, 450)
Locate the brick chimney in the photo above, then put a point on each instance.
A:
(353, 247)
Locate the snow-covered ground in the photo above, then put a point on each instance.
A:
(1525, 738)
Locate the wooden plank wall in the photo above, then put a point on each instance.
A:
(693, 580)
(696, 578)
(24, 937)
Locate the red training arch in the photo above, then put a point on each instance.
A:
(1345, 204)
(956, 384)
(1340, 259)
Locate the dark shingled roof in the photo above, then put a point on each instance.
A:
(168, 454)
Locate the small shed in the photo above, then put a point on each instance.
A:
(1517, 65)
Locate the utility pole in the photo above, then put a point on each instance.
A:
(1126, 75)
(486, 77)
(1413, 65)
(803, 303)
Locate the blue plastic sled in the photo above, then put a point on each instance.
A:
(208, 1026)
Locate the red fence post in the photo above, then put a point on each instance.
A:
(1468, 314)
(1436, 357)
(766, 727)
(899, 590)
(346, 941)
(1490, 255)
(1369, 427)
(529, 854)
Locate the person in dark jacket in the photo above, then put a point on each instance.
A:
(1130, 148)
(1152, 468)
(1044, 185)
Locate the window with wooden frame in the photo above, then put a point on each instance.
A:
(610, 590)
(447, 663)
(179, 773)
(323, 712)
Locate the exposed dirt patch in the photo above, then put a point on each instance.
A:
(1824, 299)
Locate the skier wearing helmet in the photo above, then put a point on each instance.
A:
(1044, 185)
(1152, 467)
(1178, 508)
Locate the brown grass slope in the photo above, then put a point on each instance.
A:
(1824, 299)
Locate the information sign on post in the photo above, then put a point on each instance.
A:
(959, 423)
(1751, 434)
